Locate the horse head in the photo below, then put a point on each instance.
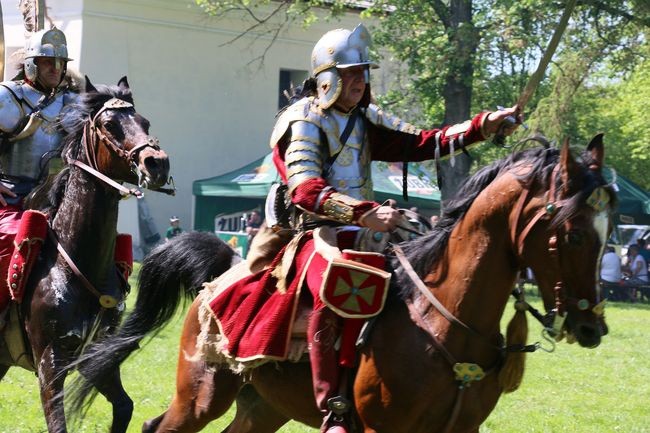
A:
(115, 139)
(565, 229)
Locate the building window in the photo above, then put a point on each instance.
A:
(289, 78)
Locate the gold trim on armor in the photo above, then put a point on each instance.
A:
(340, 207)
(296, 157)
(345, 158)
(323, 67)
(377, 116)
(332, 100)
(296, 146)
(304, 138)
(295, 169)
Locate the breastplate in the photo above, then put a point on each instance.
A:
(23, 159)
(350, 173)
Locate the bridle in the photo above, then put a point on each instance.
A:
(554, 320)
(93, 135)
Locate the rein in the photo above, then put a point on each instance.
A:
(106, 301)
(92, 135)
(465, 373)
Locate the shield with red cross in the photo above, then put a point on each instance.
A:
(353, 289)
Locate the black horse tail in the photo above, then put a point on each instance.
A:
(171, 272)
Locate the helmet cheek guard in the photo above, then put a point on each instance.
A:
(339, 49)
(330, 85)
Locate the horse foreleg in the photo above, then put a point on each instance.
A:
(51, 377)
(3, 370)
(202, 394)
(112, 389)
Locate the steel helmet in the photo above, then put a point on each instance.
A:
(339, 49)
(45, 43)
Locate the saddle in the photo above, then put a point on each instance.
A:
(30, 236)
(249, 318)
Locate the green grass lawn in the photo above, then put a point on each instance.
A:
(574, 390)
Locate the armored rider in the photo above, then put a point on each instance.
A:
(323, 145)
(30, 138)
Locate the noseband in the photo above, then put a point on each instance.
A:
(92, 135)
(555, 318)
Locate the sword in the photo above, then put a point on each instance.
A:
(2, 46)
(536, 78)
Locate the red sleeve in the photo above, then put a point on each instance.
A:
(395, 146)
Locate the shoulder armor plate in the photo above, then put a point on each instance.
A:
(379, 117)
(305, 109)
(11, 110)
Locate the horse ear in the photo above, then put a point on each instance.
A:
(123, 83)
(89, 86)
(596, 149)
(568, 166)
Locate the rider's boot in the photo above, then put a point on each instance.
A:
(322, 331)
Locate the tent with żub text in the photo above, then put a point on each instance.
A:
(246, 188)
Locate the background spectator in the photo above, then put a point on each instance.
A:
(643, 251)
(253, 224)
(174, 228)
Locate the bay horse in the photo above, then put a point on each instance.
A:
(434, 360)
(106, 143)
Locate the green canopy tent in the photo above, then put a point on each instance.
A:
(633, 201)
(246, 188)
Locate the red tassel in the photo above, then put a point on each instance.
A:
(124, 254)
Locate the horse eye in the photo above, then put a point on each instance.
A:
(110, 126)
(574, 237)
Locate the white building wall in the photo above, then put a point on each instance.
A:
(211, 110)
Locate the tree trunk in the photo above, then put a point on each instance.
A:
(463, 39)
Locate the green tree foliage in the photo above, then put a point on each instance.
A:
(619, 109)
(462, 56)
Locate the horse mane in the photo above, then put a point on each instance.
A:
(425, 251)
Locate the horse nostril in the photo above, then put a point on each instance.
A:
(156, 168)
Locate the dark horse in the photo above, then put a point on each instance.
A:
(539, 208)
(61, 311)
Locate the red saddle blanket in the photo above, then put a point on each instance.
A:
(256, 318)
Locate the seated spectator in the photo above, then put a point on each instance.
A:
(643, 250)
(610, 266)
(637, 271)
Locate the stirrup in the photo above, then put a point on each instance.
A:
(339, 405)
